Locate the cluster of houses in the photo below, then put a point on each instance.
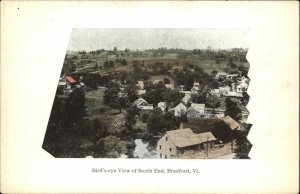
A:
(67, 83)
(236, 89)
(184, 142)
(194, 111)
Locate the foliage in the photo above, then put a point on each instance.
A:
(233, 110)
(75, 106)
(172, 97)
(112, 146)
(213, 102)
(222, 132)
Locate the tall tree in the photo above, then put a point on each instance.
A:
(213, 102)
(75, 106)
(172, 97)
(233, 110)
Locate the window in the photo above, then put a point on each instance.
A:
(166, 138)
(166, 156)
(170, 149)
(160, 155)
(160, 147)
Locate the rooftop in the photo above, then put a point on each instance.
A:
(186, 137)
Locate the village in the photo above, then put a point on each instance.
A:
(153, 110)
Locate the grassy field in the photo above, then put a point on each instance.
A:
(208, 64)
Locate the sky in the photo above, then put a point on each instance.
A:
(147, 38)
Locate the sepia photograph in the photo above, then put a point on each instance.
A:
(152, 93)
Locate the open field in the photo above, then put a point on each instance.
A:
(208, 64)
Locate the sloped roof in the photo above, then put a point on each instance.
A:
(162, 105)
(230, 122)
(139, 101)
(186, 137)
(70, 79)
(198, 107)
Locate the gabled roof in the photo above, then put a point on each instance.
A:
(162, 105)
(180, 106)
(186, 137)
(230, 122)
(139, 102)
(70, 79)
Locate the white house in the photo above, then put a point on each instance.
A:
(195, 111)
(233, 94)
(194, 89)
(215, 92)
(242, 87)
(183, 142)
(187, 96)
(198, 107)
(162, 106)
(140, 84)
(140, 92)
(224, 90)
(140, 102)
(169, 86)
(179, 110)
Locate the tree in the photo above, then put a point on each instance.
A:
(233, 110)
(112, 146)
(242, 147)
(172, 97)
(156, 122)
(199, 98)
(166, 80)
(131, 91)
(222, 132)
(124, 62)
(213, 102)
(75, 106)
(130, 115)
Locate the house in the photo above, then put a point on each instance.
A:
(244, 79)
(194, 89)
(187, 96)
(179, 110)
(233, 125)
(169, 86)
(146, 107)
(233, 94)
(224, 90)
(183, 142)
(140, 92)
(195, 111)
(162, 106)
(221, 75)
(140, 102)
(215, 92)
(67, 82)
(231, 76)
(242, 87)
(140, 84)
(196, 84)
